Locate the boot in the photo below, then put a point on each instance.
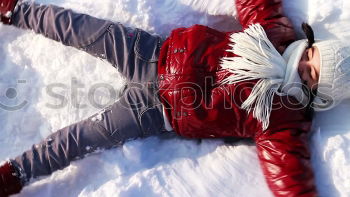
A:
(6, 10)
(10, 182)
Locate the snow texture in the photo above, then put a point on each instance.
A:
(152, 167)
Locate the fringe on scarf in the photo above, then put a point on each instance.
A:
(257, 59)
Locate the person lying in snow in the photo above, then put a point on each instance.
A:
(198, 83)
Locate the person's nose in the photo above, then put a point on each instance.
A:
(303, 69)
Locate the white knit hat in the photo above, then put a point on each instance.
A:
(333, 84)
(334, 80)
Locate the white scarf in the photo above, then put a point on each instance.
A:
(258, 59)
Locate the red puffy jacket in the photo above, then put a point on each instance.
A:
(197, 106)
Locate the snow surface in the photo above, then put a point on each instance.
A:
(152, 167)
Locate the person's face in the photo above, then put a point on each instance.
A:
(309, 67)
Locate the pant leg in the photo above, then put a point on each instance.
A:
(122, 46)
(137, 114)
(60, 148)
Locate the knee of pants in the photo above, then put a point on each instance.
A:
(78, 139)
(124, 123)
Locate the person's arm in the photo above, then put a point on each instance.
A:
(285, 161)
(268, 13)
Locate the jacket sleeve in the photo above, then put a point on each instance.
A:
(269, 14)
(285, 161)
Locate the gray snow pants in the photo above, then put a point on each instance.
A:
(138, 113)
